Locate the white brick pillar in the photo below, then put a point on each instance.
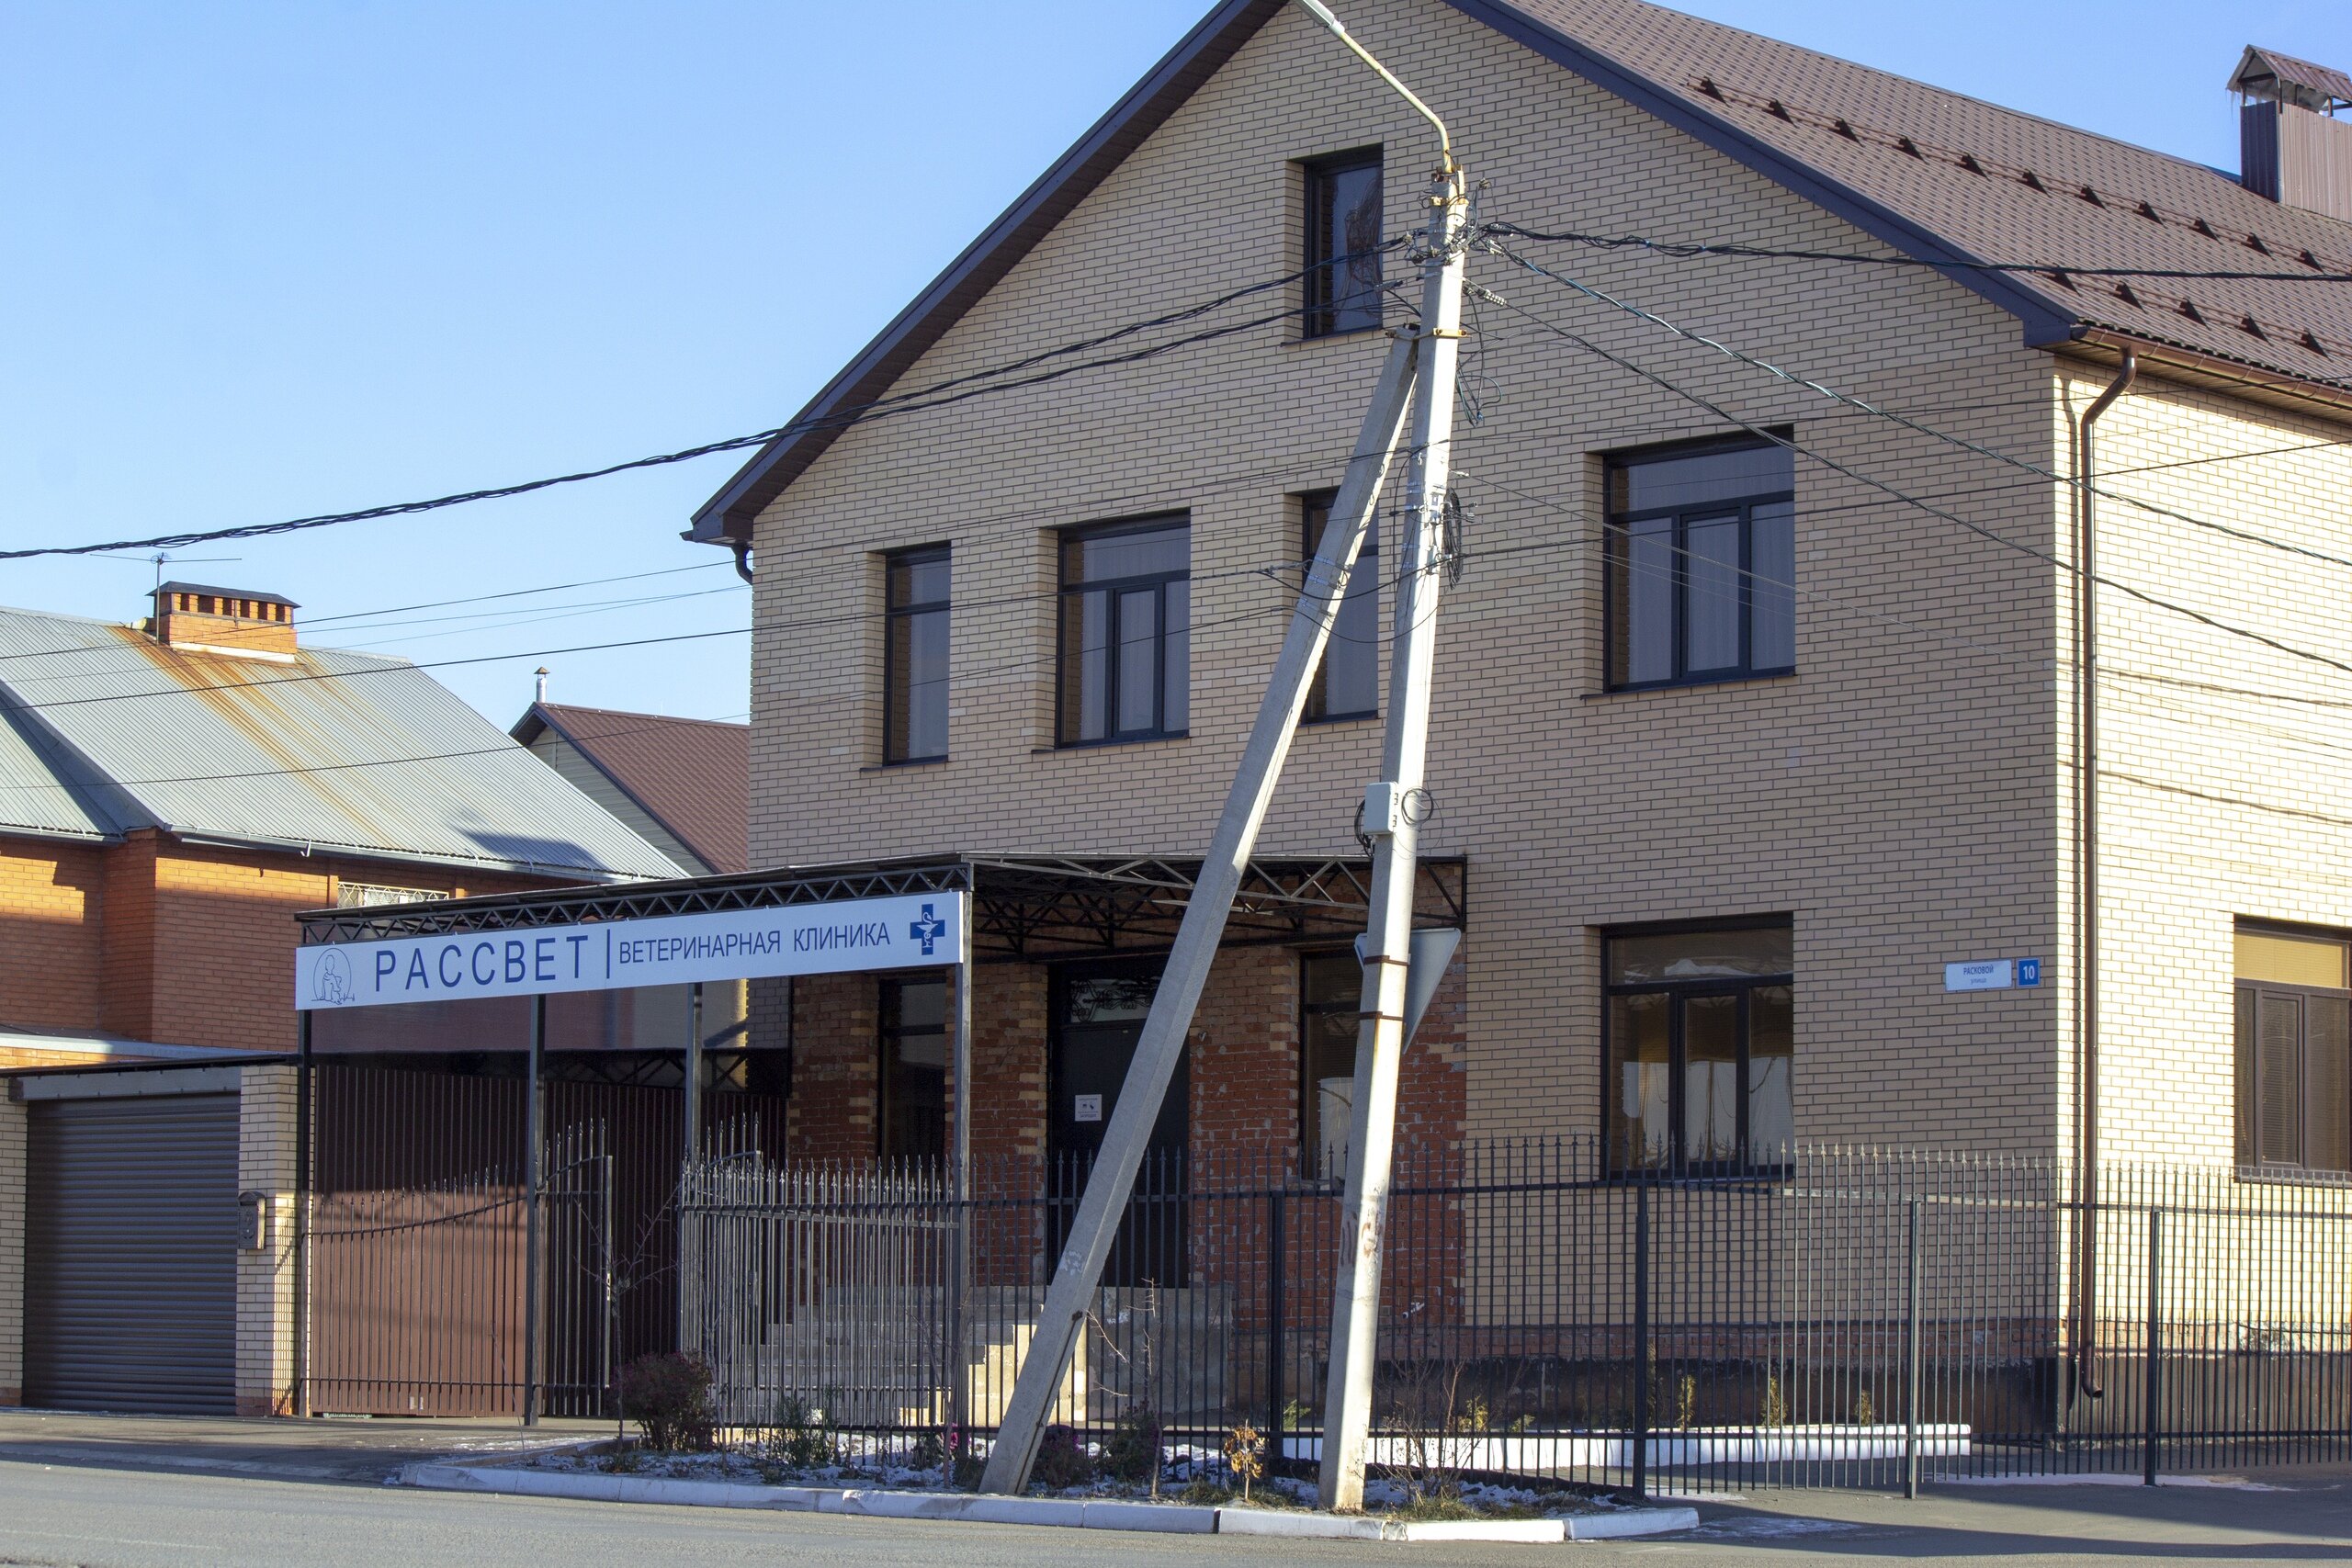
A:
(266, 1132)
(12, 1248)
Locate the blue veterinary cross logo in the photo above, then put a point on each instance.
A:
(928, 930)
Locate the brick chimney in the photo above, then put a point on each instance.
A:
(2291, 146)
(226, 620)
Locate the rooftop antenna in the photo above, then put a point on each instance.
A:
(160, 557)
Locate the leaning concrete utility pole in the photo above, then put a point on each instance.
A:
(1104, 1204)
(1394, 809)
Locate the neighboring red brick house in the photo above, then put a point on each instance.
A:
(171, 794)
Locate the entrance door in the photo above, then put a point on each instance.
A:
(1098, 1016)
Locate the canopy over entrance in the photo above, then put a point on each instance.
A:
(1023, 908)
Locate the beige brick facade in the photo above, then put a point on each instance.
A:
(1903, 797)
(267, 1141)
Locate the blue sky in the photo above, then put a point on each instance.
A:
(266, 260)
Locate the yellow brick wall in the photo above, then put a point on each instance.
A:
(266, 1144)
(1902, 796)
(2226, 766)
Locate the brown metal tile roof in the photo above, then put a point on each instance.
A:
(691, 775)
(1936, 175)
(1996, 185)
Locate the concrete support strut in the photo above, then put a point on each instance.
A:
(1096, 1226)
(1394, 809)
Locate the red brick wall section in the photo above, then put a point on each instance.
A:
(1245, 1064)
(154, 940)
(50, 901)
(834, 1061)
(127, 937)
(224, 951)
(1009, 1066)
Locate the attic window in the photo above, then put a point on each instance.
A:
(2150, 214)
(1967, 161)
(2253, 326)
(1842, 128)
(2032, 180)
(1911, 147)
(2123, 292)
(2092, 196)
(2188, 308)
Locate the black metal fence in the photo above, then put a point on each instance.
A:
(1854, 1318)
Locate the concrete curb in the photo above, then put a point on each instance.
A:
(1067, 1513)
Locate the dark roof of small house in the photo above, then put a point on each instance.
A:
(163, 588)
(1936, 175)
(691, 775)
(2264, 71)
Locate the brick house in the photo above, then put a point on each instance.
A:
(681, 783)
(1755, 708)
(171, 794)
(176, 793)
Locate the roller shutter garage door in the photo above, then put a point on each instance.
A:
(130, 1276)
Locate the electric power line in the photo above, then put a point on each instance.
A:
(940, 394)
(1790, 443)
(1685, 251)
(1862, 406)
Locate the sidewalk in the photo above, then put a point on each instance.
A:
(354, 1452)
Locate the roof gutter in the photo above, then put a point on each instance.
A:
(307, 848)
(2315, 398)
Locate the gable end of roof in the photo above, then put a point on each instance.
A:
(726, 517)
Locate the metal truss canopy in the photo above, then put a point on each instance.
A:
(1023, 907)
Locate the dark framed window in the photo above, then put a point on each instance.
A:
(1330, 990)
(1700, 1040)
(2294, 1051)
(1346, 684)
(1702, 564)
(1342, 263)
(915, 659)
(1126, 631)
(911, 1118)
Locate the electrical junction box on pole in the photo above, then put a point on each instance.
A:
(1384, 808)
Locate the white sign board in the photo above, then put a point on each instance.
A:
(916, 930)
(1087, 1108)
(1991, 974)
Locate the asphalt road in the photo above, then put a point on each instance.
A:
(142, 1494)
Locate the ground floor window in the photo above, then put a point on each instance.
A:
(2294, 1051)
(1698, 1037)
(912, 1118)
(1330, 987)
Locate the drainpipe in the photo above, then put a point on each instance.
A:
(742, 548)
(2086, 887)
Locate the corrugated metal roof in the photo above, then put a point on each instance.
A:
(346, 753)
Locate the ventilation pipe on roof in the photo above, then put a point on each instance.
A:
(2086, 882)
(2291, 146)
